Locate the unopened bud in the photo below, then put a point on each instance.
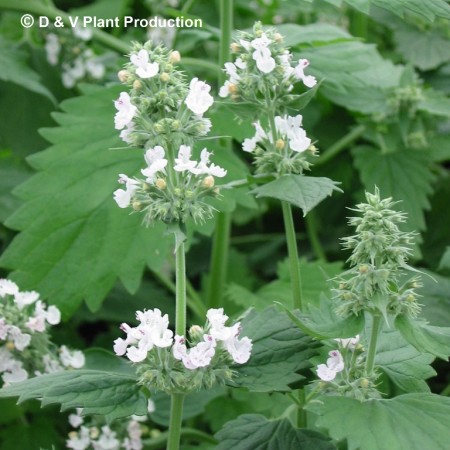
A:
(177, 191)
(196, 332)
(137, 84)
(155, 433)
(279, 144)
(136, 205)
(363, 269)
(216, 191)
(168, 68)
(342, 286)
(10, 345)
(158, 127)
(364, 383)
(94, 432)
(278, 37)
(123, 75)
(410, 298)
(232, 88)
(176, 125)
(208, 182)
(235, 47)
(73, 435)
(313, 149)
(174, 57)
(76, 50)
(164, 77)
(160, 183)
(189, 194)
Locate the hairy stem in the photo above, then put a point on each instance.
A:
(221, 239)
(293, 254)
(176, 417)
(371, 353)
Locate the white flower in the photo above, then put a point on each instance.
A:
(262, 54)
(51, 314)
(184, 162)
(15, 374)
(8, 287)
(79, 441)
(239, 349)
(198, 99)
(51, 365)
(245, 44)
(154, 157)
(202, 167)
(93, 65)
(218, 330)
(83, 33)
(249, 145)
(6, 359)
(334, 365)
(290, 127)
(349, 343)
(308, 80)
(123, 197)
(23, 299)
(125, 111)
(197, 356)
(145, 69)
(74, 358)
(151, 408)
(107, 440)
(52, 48)
(76, 420)
(36, 324)
(125, 133)
(240, 64)
(73, 73)
(231, 71)
(224, 90)
(21, 340)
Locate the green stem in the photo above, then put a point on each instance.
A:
(293, 254)
(341, 144)
(180, 274)
(176, 417)
(195, 435)
(371, 353)
(311, 230)
(221, 239)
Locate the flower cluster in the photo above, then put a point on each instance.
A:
(280, 150)
(167, 362)
(25, 348)
(93, 434)
(263, 65)
(70, 50)
(164, 116)
(380, 251)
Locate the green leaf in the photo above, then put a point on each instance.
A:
(74, 241)
(308, 34)
(444, 264)
(113, 394)
(255, 432)
(360, 5)
(426, 338)
(410, 421)
(304, 192)
(15, 69)
(13, 171)
(425, 49)
(404, 175)
(280, 352)
(435, 103)
(405, 366)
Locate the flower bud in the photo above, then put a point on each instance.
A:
(342, 286)
(176, 125)
(73, 435)
(313, 149)
(123, 75)
(10, 345)
(189, 194)
(216, 191)
(279, 144)
(160, 183)
(278, 37)
(410, 298)
(94, 432)
(136, 205)
(363, 269)
(364, 383)
(232, 88)
(137, 84)
(174, 57)
(196, 332)
(177, 191)
(235, 47)
(158, 127)
(164, 77)
(208, 182)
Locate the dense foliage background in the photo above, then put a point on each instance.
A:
(381, 116)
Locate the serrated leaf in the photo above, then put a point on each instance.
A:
(255, 432)
(426, 338)
(404, 175)
(15, 70)
(410, 421)
(403, 364)
(304, 192)
(112, 394)
(74, 241)
(280, 352)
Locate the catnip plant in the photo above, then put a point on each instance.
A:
(163, 115)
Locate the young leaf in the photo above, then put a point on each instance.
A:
(255, 432)
(404, 175)
(280, 352)
(74, 241)
(410, 421)
(304, 192)
(426, 338)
